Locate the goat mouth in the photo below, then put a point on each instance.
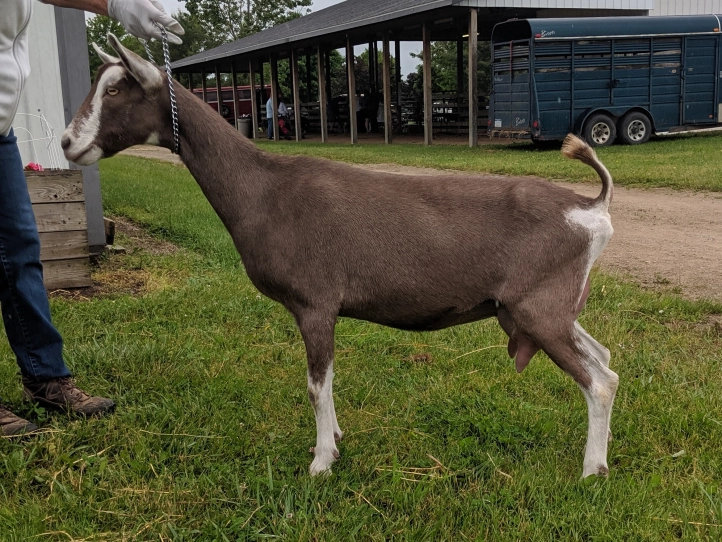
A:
(89, 156)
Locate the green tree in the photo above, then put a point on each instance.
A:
(194, 40)
(228, 20)
(443, 67)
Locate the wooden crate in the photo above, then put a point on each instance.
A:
(59, 207)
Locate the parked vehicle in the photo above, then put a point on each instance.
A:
(606, 78)
(244, 99)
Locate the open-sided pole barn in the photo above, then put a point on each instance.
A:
(357, 22)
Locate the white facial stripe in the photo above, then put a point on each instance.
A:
(87, 128)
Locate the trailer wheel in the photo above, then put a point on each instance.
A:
(635, 128)
(600, 131)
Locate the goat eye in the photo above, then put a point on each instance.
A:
(112, 91)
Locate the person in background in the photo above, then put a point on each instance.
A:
(282, 117)
(37, 345)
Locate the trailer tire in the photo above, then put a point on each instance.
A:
(600, 130)
(635, 128)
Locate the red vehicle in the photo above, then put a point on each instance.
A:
(244, 99)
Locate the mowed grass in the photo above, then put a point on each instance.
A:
(444, 441)
(689, 161)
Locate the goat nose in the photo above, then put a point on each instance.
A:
(65, 141)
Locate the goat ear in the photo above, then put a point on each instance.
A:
(105, 57)
(142, 71)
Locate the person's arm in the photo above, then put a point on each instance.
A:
(94, 6)
(139, 17)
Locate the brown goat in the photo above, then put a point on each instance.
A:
(417, 253)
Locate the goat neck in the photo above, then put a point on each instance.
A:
(232, 173)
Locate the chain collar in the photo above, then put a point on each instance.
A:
(173, 104)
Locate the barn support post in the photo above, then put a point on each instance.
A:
(376, 66)
(428, 105)
(322, 97)
(274, 98)
(308, 77)
(219, 94)
(350, 65)
(190, 81)
(372, 82)
(296, 94)
(254, 101)
(473, 66)
(234, 82)
(397, 78)
(388, 122)
(204, 86)
(459, 67)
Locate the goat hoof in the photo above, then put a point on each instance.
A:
(337, 436)
(321, 466)
(601, 471)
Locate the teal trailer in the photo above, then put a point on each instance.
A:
(605, 78)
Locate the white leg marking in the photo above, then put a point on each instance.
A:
(325, 452)
(598, 225)
(153, 139)
(600, 398)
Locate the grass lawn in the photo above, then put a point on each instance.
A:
(690, 161)
(444, 441)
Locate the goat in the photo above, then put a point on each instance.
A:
(414, 253)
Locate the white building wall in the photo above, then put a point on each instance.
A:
(686, 7)
(43, 92)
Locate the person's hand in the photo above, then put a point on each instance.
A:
(138, 18)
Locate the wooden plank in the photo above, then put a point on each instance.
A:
(73, 273)
(388, 122)
(473, 67)
(234, 82)
(62, 245)
(254, 102)
(55, 186)
(296, 95)
(322, 98)
(428, 104)
(60, 216)
(219, 93)
(274, 98)
(350, 64)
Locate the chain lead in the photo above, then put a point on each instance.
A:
(173, 104)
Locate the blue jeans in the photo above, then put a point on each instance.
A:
(23, 299)
(270, 128)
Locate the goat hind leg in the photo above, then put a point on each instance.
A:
(318, 337)
(585, 360)
(599, 384)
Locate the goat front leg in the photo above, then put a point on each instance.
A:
(317, 332)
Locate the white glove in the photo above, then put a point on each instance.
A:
(138, 18)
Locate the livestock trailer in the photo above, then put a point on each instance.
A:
(605, 78)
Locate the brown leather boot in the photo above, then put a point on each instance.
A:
(63, 394)
(12, 424)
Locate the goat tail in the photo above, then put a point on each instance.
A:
(577, 149)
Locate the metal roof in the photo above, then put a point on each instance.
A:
(555, 29)
(364, 18)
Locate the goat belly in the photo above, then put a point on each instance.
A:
(423, 320)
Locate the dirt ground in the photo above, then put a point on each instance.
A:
(663, 239)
